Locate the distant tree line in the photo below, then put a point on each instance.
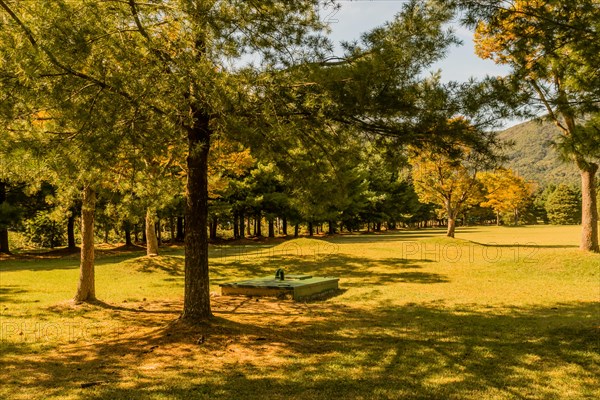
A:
(371, 193)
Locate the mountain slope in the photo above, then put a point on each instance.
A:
(534, 157)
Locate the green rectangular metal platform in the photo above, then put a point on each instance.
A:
(297, 286)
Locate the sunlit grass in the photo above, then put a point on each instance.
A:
(499, 313)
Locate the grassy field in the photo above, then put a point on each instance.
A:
(499, 313)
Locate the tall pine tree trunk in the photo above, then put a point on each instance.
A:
(589, 210)
(86, 290)
(158, 230)
(151, 239)
(236, 227)
(271, 228)
(127, 229)
(71, 232)
(258, 226)
(172, 229)
(4, 246)
(213, 227)
(242, 226)
(180, 233)
(332, 227)
(196, 304)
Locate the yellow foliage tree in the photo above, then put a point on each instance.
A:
(551, 48)
(227, 160)
(505, 192)
(449, 183)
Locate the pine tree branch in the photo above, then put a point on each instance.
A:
(546, 104)
(66, 69)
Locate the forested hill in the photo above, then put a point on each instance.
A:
(534, 157)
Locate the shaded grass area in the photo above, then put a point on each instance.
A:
(420, 317)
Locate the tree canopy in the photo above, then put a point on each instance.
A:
(138, 93)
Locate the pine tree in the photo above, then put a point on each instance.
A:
(169, 71)
(563, 206)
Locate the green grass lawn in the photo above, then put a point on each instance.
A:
(499, 313)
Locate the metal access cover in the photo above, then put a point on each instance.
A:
(299, 286)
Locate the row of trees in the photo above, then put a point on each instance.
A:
(124, 97)
(260, 200)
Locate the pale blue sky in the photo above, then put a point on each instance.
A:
(358, 16)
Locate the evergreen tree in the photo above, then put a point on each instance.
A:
(563, 206)
(169, 69)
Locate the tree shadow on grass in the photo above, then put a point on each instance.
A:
(51, 264)
(171, 265)
(527, 245)
(354, 271)
(271, 349)
(10, 293)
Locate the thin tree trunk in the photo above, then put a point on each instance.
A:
(213, 227)
(310, 229)
(242, 226)
(196, 304)
(158, 228)
(52, 236)
(86, 291)
(284, 226)
(451, 227)
(589, 210)
(71, 244)
(497, 218)
(151, 239)
(258, 222)
(4, 246)
(127, 229)
(271, 228)
(296, 230)
(236, 228)
(180, 233)
(172, 229)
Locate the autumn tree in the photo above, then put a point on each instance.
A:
(505, 192)
(228, 163)
(449, 181)
(551, 47)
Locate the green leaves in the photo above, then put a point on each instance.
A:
(563, 206)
